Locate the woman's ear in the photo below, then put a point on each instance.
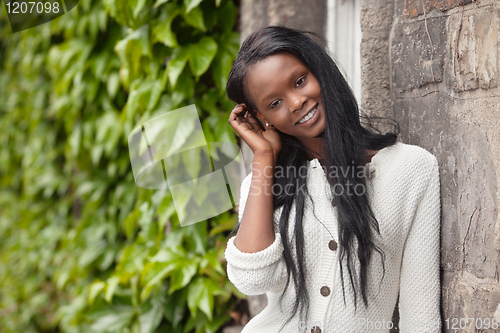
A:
(261, 118)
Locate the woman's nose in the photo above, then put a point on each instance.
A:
(298, 102)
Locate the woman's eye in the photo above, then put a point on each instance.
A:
(274, 104)
(301, 81)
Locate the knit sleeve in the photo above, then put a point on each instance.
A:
(419, 303)
(259, 272)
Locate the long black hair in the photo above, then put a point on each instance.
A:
(347, 141)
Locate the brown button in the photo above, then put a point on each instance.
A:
(332, 245)
(325, 291)
(315, 329)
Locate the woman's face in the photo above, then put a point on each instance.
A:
(286, 93)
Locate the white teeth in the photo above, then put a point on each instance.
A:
(309, 115)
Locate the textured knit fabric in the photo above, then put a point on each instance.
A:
(403, 188)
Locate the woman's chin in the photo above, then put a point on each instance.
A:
(320, 135)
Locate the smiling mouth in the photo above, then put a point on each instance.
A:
(308, 116)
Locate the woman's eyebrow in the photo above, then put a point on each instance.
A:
(291, 76)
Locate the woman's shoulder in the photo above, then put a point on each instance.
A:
(408, 159)
(419, 156)
(414, 153)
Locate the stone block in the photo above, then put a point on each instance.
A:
(474, 51)
(414, 8)
(418, 50)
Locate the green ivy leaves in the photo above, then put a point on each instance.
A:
(199, 55)
(82, 248)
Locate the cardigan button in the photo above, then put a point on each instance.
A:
(315, 329)
(332, 245)
(325, 291)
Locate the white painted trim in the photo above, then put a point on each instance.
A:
(343, 35)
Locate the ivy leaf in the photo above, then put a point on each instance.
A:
(131, 261)
(181, 277)
(159, 3)
(138, 7)
(157, 88)
(132, 48)
(195, 19)
(183, 131)
(119, 10)
(175, 306)
(214, 325)
(151, 319)
(111, 285)
(159, 271)
(192, 162)
(113, 84)
(228, 12)
(195, 323)
(224, 59)
(201, 55)
(131, 223)
(201, 296)
(160, 266)
(209, 102)
(173, 254)
(107, 258)
(162, 30)
(196, 237)
(75, 139)
(95, 289)
(214, 262)
(190, 4)
(177, 63)
(194, 294)
(185, 85)
(206, 301)
(113, 319)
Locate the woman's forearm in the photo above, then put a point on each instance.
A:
(256, 231)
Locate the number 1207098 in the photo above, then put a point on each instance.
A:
(32, 7)
(478, 323)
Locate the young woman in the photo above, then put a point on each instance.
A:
(334, 219)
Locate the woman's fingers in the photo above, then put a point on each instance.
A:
(251, 119)
(239, 111)
(239, 121)
(249, 129)
(236, 116)
(240, 116)
(242, 121)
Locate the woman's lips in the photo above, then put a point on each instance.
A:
(312, 119)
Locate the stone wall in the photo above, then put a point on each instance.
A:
(433, 66)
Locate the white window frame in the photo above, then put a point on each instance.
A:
(343, 35)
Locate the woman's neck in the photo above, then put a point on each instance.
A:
(315, 146)
(316, 149)
(315, 154)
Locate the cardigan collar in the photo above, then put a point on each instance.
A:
(371, 167)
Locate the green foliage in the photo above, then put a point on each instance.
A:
(82, 248)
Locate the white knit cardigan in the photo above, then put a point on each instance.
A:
(403, 188)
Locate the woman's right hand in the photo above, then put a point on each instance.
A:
(259, 140)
